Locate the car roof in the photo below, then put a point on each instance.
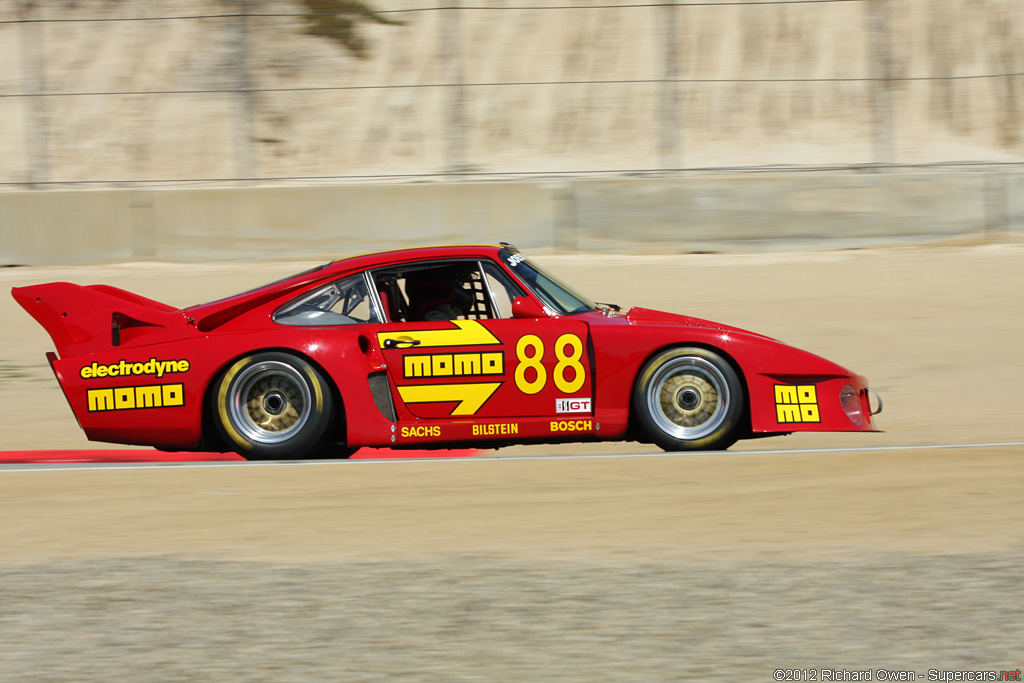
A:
(399, 256)
(213, 314)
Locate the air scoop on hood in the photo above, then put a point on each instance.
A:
(646, 316)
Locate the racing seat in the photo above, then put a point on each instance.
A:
(387, 300)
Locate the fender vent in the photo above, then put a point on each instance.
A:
(120, 321)
(382, 394)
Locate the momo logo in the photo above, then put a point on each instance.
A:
(132, 398)
(468, 397)
(453, 365)
(572, 405)
(796, 403)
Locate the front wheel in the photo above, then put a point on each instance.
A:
(273, 406)
(689, 399)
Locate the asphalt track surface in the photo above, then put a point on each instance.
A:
(149, 455)
(86, 459)
(570, 567)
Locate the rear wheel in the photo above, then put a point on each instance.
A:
(689, 399)
(273, 406)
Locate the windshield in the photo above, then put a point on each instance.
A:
(552, 291)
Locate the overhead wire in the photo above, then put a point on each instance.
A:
(411, 10)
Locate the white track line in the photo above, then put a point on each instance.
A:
(499, 458)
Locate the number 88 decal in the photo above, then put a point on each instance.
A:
(530, 352)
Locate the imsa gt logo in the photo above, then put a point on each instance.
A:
(130, 398)
(796, 403)
(572, 405)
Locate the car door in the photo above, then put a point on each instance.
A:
(489, 368)
(480, 366)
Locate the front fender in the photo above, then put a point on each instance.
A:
(771, 370)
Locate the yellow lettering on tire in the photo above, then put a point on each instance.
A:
(533, 360)
(569, 361)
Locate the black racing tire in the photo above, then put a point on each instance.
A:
(689, 398)
(273, 406)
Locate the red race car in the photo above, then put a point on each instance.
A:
(422, 348)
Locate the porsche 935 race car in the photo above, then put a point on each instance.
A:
(424, 348)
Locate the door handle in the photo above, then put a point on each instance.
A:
(400, 343)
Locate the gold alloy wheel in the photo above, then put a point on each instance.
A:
(688, 398)
(270, 402)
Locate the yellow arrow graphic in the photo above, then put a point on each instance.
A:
(471, 397)
(466, 333)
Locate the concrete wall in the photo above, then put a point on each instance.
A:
(759, 213)
(745, 213)
(90, 94)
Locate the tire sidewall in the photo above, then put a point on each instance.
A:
(724, 435)
(306, 442)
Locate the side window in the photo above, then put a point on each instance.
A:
(501, 287)
(444, 290)
(342, 302)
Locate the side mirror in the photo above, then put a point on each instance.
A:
(523, 307)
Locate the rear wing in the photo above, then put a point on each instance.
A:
(89, 319)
